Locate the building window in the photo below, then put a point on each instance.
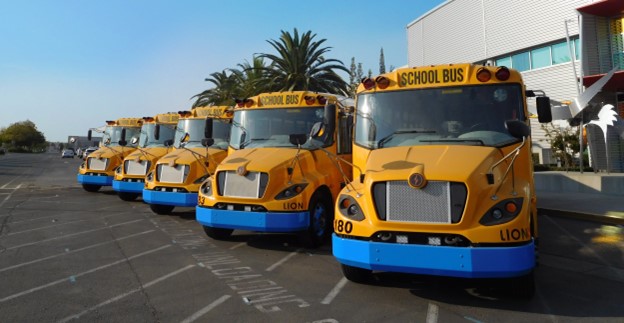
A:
(521, 62)
(560, 53)
(577, 49)
(540, 57)
(505, 61)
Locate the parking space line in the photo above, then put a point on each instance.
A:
(238, 245)
(73, 251)
(46, 227)
(283, 260)
(72, 234)
(206, 309)
(334, 292)
(73, 277)
(118, 297)
(432, 313)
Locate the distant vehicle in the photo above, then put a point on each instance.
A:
(67, 153)
(87, 151)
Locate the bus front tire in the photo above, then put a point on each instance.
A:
(356, 274)
(218, 233)
(127, 196)
(321, 220)
(161, 209)
(91, 187)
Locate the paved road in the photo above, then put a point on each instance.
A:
(69, 255)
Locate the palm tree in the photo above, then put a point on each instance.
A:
(300, 65)
(224, 91)
(251, 78)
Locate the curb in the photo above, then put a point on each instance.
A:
(606, 219)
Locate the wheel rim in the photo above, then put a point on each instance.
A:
(319, 219)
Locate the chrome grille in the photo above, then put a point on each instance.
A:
(430, 204)
(168, 174)
(132, 167)
(247, 186)
(98, 164)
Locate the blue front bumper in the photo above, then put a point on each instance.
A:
(130, 187)
(95, 180)
(169, 198)
(468, 262)
(253, 221)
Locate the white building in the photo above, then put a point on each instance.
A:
(530, 36)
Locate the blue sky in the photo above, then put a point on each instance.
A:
(69, 65)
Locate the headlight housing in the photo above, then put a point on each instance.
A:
(502, 212)
(206, 188)
(350, 208)
(149, 177)
(291, 191)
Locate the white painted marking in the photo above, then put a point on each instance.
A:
(118, 297)
(46, 227)
(67, 251)
(283, 260)
(9, 182)
(238, 245)
(58, 281)
(73, 234)
(334, 292)
(206, 309)
(432, 313)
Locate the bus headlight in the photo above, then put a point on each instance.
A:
(206, 188)
(291, 191)
(350, 208)
(118, 170)
(149, 177)
(502, 212)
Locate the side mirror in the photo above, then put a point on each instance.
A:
(207, 142)
(544, 113)
(298, 138)
(122, 141)
(517, 128)
(208, 128)
(168, 142)
(329, 121)
(316, 131)
(157, 132)
(89, 135)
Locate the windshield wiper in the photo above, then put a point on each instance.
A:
(479, 141)
(387, 138)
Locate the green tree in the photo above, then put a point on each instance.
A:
(23, 137)
(382, 62)
(223, 93)
(564, 143)
(251, 78)
(300, 65)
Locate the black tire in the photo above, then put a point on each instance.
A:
(161, 209)
(91, 188)
(523, 287)
(127, 196)
(356, 274)
(321, 221)
(218, 233)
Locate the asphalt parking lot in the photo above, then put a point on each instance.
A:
(69, 255)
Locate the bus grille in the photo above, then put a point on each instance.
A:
(176, 174)
(252, 185)
(98, 164)
(430, 204)
(136, 168)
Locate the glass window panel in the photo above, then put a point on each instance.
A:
(577, 49)
(560, 53)
(521, 61)
(540, 57)
(505, 61)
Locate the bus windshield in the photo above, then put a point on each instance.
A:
(195, 129)
(112, 135)
(273, 127)
(466, 115)
(147, 135)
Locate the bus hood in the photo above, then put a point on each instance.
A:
(186, 157)
(268, 159)
(149, 154)
(111, 152)
(447, 163)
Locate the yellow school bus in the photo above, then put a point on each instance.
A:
(276, 178)
(120, 138)
(201, 140)
(443, 177)
(130, 176)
